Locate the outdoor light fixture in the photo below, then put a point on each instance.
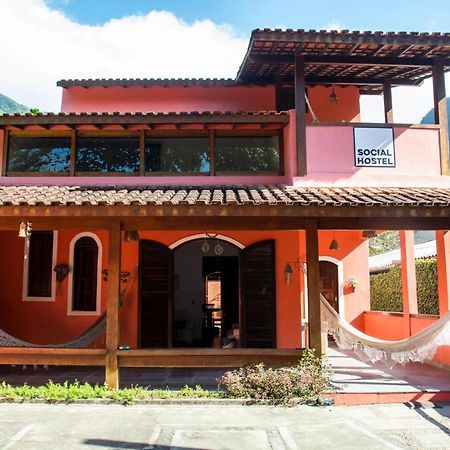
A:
(333, 98)
(218, 249)
(25, 229)
(334, 244)
(131, 236)
(369, 234)
(289, 269)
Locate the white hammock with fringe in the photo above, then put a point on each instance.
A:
(420, 347)
(89, 336)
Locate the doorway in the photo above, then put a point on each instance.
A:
(329, 283)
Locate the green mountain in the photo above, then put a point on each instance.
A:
(9, 106)
(429, 116)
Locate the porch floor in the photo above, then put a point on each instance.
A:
(357, 382)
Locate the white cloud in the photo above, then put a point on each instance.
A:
(41, 45)
(334, 25)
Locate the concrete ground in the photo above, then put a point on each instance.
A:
(40, 426)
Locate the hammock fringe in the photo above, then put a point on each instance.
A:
(418, 348)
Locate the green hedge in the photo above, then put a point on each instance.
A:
(386, 288)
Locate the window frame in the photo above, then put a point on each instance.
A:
(143, 134)
(26, 268)
(70, 310)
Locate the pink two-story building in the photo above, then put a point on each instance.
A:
(177, 214)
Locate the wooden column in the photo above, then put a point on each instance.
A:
(387, 99)
(300, 109)
(409, 287)
(313, 279)
(441, 114)
(443, 269)
(112, 306)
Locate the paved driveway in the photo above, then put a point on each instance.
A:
(39, 426)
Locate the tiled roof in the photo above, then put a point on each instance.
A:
(147, 82)
(139, 118)
(224, 195)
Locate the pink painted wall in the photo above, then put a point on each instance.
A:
(354, 253)
(389, 326)
(330, 159)
(168, 99)
(48, 322)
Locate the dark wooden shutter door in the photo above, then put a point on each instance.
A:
(40, 264)
(258, 295)
(155, 294)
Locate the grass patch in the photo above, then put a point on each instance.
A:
(71, 392)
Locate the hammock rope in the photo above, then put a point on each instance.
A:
(96, 330)
(418, 348)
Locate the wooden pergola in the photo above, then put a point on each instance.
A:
(373, 61)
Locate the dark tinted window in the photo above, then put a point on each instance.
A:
(189, 155)
(39, 154)
(107, 154)
(247, 154)
(40, 256)
(85, 275)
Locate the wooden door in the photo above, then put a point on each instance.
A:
(258, 307)
(155, 295)
(329, 283)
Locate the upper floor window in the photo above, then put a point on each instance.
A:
(108, 154)
(201, 152)
(253, 154)
(38, 154)
(177, 155)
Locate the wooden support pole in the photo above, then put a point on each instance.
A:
(443, 269)
(387, 99)
(313, 279)
(408, 267)
(441, 114)
(300, 109)
(112, 307)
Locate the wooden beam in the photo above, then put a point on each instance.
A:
(142, 152)
(300, 108)
(4, 169)
(346, 60)
(313, 279)
(212, 152)
(73, 152)
(52, 356)
(112, 307)
(387, 100)
(441, 113)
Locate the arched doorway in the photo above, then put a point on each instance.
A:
(329, 283)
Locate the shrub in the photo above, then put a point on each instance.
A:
(301, 383)
(386, 288)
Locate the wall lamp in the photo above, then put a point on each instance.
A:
(289, 269)
(25, 229)
(333, 98)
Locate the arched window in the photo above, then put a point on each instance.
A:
(85, 275)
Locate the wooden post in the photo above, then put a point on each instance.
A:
(443, 269)
(112, 307)
(387, 99)
(313, 279)
(409, 289)
(300, 109)
(441, 114)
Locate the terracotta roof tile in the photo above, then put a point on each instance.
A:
(226, 195)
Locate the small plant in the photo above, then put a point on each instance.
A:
(303, 383)
(352, 283)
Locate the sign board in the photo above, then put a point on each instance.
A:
(374, 147)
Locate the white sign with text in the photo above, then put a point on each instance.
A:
(374, 147)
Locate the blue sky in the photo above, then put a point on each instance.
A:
(245, 15)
